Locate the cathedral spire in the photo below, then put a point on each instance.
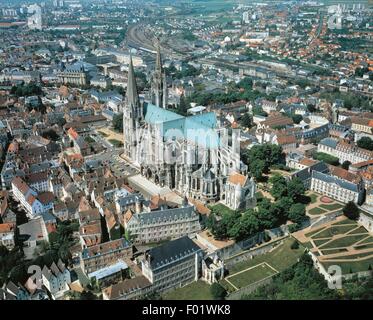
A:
(132, 95)
(158, 62)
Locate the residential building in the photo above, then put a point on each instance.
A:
(56, 279)
(105, 254)
(33, 202)
(7, 235)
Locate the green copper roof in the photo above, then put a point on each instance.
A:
(196, 129)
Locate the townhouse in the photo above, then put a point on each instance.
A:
(56, 279)
(34, 203)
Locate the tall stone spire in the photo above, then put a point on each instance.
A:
(158, 90)
(132, 96)
(158, 62)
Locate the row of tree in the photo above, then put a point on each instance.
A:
(261, 157)
(303, 282)
(26, 90)
(237, 225)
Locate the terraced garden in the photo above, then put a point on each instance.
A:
(343, 242)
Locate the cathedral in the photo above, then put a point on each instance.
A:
(191, 155)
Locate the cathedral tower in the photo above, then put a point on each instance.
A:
(132, 115)
(158, 89)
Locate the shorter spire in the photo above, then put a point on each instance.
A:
(158, 63)
(131, 94)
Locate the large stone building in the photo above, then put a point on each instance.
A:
(344, 150)
(164, 224)
(105, 254)
(173, 264)
(73, 75)
(333, 182)
(191, 155)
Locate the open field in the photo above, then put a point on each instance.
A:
(342, 242)
(198, 290)
(251, 275)
(260, 267)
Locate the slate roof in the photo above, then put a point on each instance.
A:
(165, 215)
(172, 251)
(305, 174)
(329, 142)
(334, 180)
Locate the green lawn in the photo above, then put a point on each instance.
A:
(198, 290)
(227, 285)
(105, 135)
(280, 258)
(333, 230)
(363, 246)
(352, 266)
(313, 197)
(320, 242)
(333, 251)
(345, 241)
(327, 246)
(358, 230)
(116, 143)
(367, 241)
(316, 211)
(346, 221)
(355, 256)
(251, 276)
(331, 206)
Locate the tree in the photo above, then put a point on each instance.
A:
(217, 291)
(118, 122)
(182, 108)
(246, 83)
(87, 295)
(246, 120)
(297, 213)
(321, 156)
(346, 164)
(256, 168)
(297, 118)
(351, 210)
(295, 188)
(268, 215)
(294, 245)
(365, 143)
(258, 111)
(279, 187)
